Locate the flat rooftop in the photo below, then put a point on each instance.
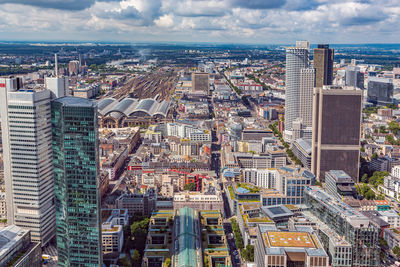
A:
(72, 101)
(289, 239)
(334, 204)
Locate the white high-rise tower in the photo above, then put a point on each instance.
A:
(296, 60)
(28, 161)
(58, 86)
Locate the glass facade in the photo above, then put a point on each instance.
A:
(346, 222)
(76, 168)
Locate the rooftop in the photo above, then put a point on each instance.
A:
(10, 236)
(277, 211)
(289, 239)
(71, 101)
(337, 206)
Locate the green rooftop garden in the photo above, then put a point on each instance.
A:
(252, 189)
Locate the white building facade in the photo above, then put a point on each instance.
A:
(28, 162)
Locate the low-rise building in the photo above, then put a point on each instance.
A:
(159, 242)
(87, 91)
(293, 248)
(391, 217)
(199, 201)
(17, 249)
(383, 164)
(137, 203)
(248, 218)
(113, 222)
(114, 163)
(214, 244)
(302, 150)
(339, 184)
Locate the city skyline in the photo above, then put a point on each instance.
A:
(228, 21)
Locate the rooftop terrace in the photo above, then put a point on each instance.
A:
(289, 239)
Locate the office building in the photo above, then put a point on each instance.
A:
(296, 60)
(199, 201)
(339, 184)
(76, 179)
(137, 204)
(113, 223)
(323, 64)
(17, 249)
(344, 221)
(74, 67)
(214, 242)
(28, 168)
(307, 78)
(353, 77)
(160, 242)
(289, 248)
(58, 86)
(336, 130)
(383, 164)
(396, 172)
(201, 82)
(302, 150)
(380, 90)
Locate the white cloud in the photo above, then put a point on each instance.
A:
(165, 21)
(204, 20)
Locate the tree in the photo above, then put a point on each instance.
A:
(377, 178)
(364, 178)
(248, 253)
(375, 155)
(370, 195)
(190, 187)
(394, 126)
(124, 262)
(135, 255)
(396, 250)
(364, 189)
(390, 139)
(236, 232)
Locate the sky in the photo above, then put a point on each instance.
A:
(225, 21)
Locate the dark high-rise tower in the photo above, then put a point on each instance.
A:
(323, 64)
(336, 130)
(76, 169)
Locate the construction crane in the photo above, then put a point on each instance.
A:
(198, 179)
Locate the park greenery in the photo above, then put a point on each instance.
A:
(376, 179)
(366, 191)
(370, 110)
(236, 233)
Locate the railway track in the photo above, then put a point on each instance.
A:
(159, 82)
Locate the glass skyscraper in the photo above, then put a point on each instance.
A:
(76, 168)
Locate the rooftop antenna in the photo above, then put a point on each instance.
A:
(56, 64)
